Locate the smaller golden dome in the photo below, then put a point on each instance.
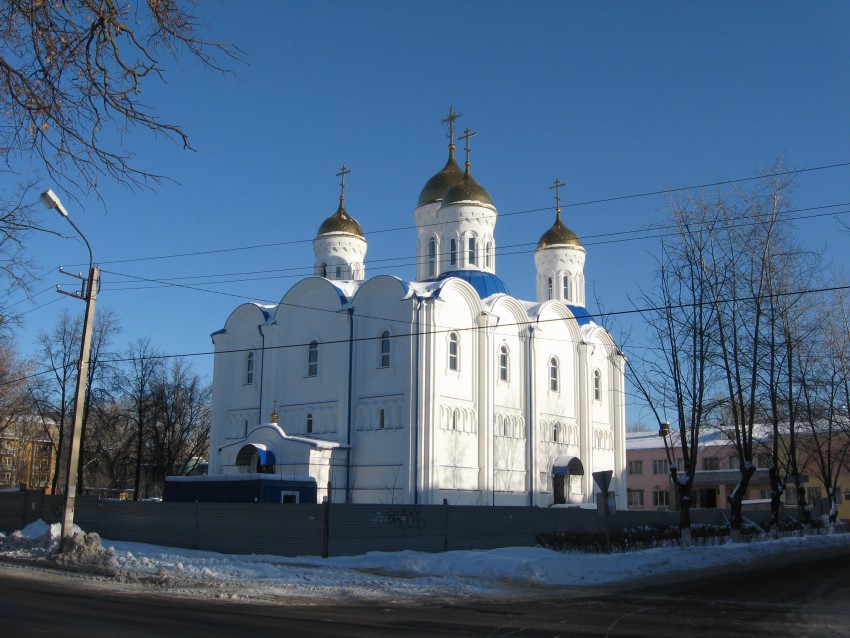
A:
(340, 222)
(437, 186)
(467, 190)
(558, 235)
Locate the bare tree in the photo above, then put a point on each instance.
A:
(676, 379)
(179, 435)
(58, 352)
(137, 382)
(14, 398)
(72, 76)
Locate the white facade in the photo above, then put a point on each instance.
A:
(415, 392)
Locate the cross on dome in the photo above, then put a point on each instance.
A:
(450, 120)
(468, 133)
(557, 187)
(342, 173)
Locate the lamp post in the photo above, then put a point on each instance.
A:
(88, 293)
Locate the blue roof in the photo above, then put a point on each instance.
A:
(485, 283)
(583, 317)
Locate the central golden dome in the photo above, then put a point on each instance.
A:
(558, 235)
(467, 190)
(437, 186)
(341, 222)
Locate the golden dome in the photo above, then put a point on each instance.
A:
(340, 222)
(558, 235)
(437, 186)
(467, 190)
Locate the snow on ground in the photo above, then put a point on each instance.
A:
(385, 576)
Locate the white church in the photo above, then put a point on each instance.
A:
(390, 391)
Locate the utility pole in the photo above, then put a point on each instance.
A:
(88, 293)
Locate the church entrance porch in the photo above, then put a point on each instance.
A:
(566, 480)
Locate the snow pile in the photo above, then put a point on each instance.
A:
(386, 576)
(40, 540)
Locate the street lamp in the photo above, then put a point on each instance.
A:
(89, 295)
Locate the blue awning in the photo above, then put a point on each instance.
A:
(568, 466)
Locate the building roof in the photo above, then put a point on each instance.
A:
(440, 183)
(485, 283)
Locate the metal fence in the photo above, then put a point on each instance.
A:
(331, 530)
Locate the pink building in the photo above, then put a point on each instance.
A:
(649, 486)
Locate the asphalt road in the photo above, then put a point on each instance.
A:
(805, 595)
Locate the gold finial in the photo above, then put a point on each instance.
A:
(557, 187)
(274, 412)
(342, 173)
(467, 134)
(450, 120)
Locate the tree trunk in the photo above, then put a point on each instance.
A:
(685, 515)
(776, 488)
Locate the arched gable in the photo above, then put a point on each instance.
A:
(313, 292)
(250, 314)
(508, 307)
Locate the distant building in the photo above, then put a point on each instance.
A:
(446, 387)
(717, 474)
(28, 453)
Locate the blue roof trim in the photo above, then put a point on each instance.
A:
(485, 283)
(342, 298)
(583, 317)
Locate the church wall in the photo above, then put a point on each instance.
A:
(380, 458)
(308, 313)
(235, 408)
(453, 443)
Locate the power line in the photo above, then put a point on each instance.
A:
(447, 330)
(615, 237)
(602, 200)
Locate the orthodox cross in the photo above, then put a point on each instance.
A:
(468, 133)
(557, 187)
(450, 120)
(342, 173)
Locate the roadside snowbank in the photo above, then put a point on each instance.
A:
(386, 576)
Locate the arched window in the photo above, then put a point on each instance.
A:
(567, 287)
(488, 255)
(472, 261)
(454, 347)
(597, 385)
(249, 368)
(550, 289)
(339, 272)
(313, 359)
(454, 420)
(309, 424)
(453, 252)
(432, 256)
(385, 349)
(381, 419)
(245, 428)
(553, 374)
(503, 363)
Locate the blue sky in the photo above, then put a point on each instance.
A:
(613, 98)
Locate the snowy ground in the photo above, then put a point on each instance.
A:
(388, 577)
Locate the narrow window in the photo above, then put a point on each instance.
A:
(245, 428)
(339, 272)
(472, 251)
(454, 420)
(551, 290)
(503, 363)
(432, 257)
(313, 359)
(488, 255)
(453, 252)
(597, 385)
(553, 374)
(566, 287)
(381, 423)
(385, 349)
(453, 351)
(555, 434)
(309, 424)
(249, 369)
